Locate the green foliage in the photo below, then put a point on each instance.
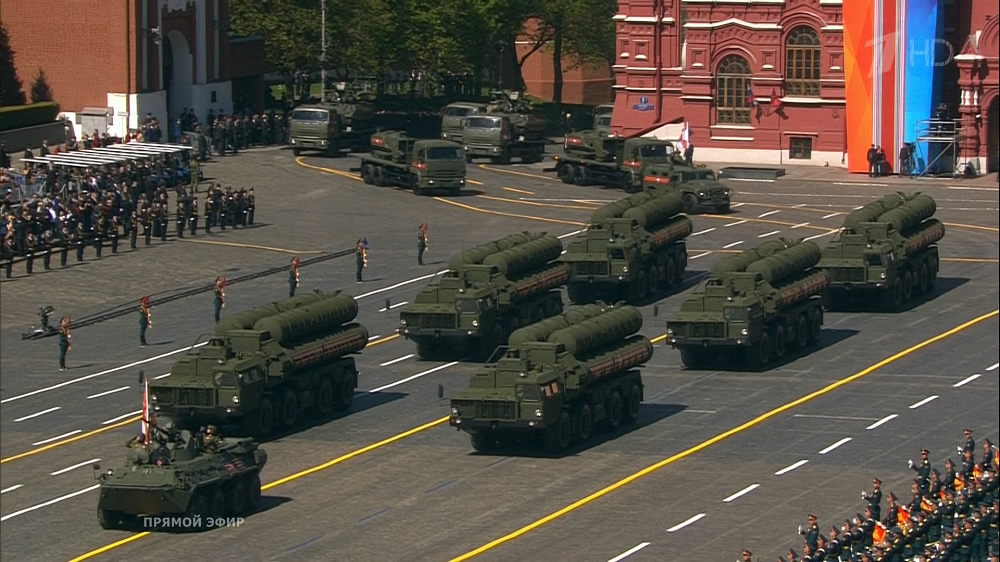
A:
(19, 116)
(40, 90)
(10, 85)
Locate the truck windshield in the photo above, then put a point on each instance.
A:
(528, 392)
(655, 151)
(466, 306)
(735, 314)
(604, 121)
(225, 380)
(310, 115)
(701, 175)
(617, 254)
(873, 259)
(444, 153)
(482, 123)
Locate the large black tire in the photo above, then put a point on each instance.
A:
(760, 354)
(297, 151)
(427, 350)
(815, 326)
(482, 442)
(366, 173)
(653, 278)
(345, 394)
(722, 209)
(264, 423)
(253, 492)
(586, 422)
(671, 277)
(632, 404)
(378, 177)
(217, 506)
(558, 437)
(802, 331)
(615, 410)
(468, 159)
(690, 203)
(289, 409)
(109, 520)
(579, 175)
(692, 358)
(923, 279)
(566, 173)
(236, 497)
(893, 296)
(779, 342)
(637, 289)
(324, 398)
(198, 507)
(907, 286)
(579, 294)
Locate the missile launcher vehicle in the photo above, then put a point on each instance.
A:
(557, 380)
(633, 249)
(344, 118)
(487, 293)
(179, 480)
(421, 165)
(602, 117)
(510, 128)
(756, 305)
(886, 249)
(264, 366)
(599, 157)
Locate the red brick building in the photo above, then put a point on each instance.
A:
(134, 57)
(979, 81)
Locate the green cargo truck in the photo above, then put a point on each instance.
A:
(421, 165)
(509, 129)
(342, 119)
(602, 158)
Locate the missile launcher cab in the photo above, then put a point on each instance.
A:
(423, 165)
(295, 359)
(755, 306)
(510, 128)
(487, 293)
(557, 381)
(885, 255)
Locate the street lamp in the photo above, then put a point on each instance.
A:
(499, 49)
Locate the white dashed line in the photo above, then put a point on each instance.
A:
(767, 214)
(398, 285)
(733, 244)
(742, 492)
(408, 379)
(50, 502)
(766, 234)
(835, 445)
(74, 467)
(833, 231)
(790, 468)
(735, 223)
(629, 552)
(163, 376)
(993, 367)
(12, 488)
(107, 392)
(701, 255)
(831, 215)
(375, 337)
(924, 401)
(800, 225)
(36, 414)
(121, 417)
(966, 381)
(398, 304)
(706, 231)
(886, 419)
(861, 184)
(680, 526)
(57, 437)
(394, 361)
(568, 234)
(738, 205)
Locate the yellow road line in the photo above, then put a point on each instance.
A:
(503, 214)
(111, 546)
(80, 437)
(516, 173)
(722, 436)
(535, 203)
(515, 190)
(972, 260)
(585, 202)
(300, 162)
(250, 246)
(473, 182)
(972, 226)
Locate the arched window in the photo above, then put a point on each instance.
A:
(732, 90)
(802, 52)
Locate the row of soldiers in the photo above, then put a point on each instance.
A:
(950, 517)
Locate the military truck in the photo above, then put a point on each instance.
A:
(453, 117)
(509, 129)
(487, 293)
(632, 249)
(698, 185)
(176, 478)
(421, 165)
(266, 365)
(886, 249)
(602, 117)
(556, 380)
(342, 119)
(603, 158)
(755, 305)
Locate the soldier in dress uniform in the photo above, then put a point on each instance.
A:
(133, 229)
(988, 454)
(193, 218)
(361, 258)
(923, 469)
(113, 233)
(875, 498)
(179, 218)
(8, 245)
(100, 232)
(223, 209)
(148, 223)
(421, 244)
(949, 475)
(145, 320)
(241, 208)
(293, 277)
(812, 533)
(48, 243)
(30, 244)
(970, 443)
(251, 205)
(934, 488)
(66, 240)
(64, 345)
(220, 297)
(162, 216)
(968, 465)
(892, 513)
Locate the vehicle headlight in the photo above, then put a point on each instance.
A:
(454, 411)
(625, 269)
(882, 275)
(475, 323)
(701, 194)
(236, 399)
(728, 193)
(402, 321)
(153, 397)
(538, 413)
(743, 331)
(670, 331)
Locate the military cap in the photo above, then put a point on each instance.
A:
(876, 481)
(924, 452)
(936, 472)
(949, 462)
(968, 432)
(987, 443)
(747, 552)
(892, 496)
(812, 517)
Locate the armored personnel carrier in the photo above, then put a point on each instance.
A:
(421, 165)
(758, 303)
(179, 482)
(886, 249)
(556, 380)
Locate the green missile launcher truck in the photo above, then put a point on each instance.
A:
(264, 366)
(633, 249)
(344, 118)
(886, 249)
(509, 129)
(556, 380)
(602, 117)
(421, 165)
(487, 293)
(755, 305)
(453, 117)
(604, 158)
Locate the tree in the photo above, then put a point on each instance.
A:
(40, 90)
(290, 29)
(582, 33)
(10, 84)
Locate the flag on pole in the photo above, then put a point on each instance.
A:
(878, 533)
(903, 515)
(685, 139)
(147, 412)
(775, 100)
(751, 101)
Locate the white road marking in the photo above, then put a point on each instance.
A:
(733, 244)
(822, 417)
(835, 445)
(750, 179)
(701, 255)
(800, 205)
(121, 417)
(790, 468)
(830, 216)
(735, 223)
(50, 502)
(886, 419)
(993, 367)
(629, 552)
(392, 306)
(680, 526)
(697, 411)
(88, 377)
(966, 381)
(742, 492)
(922, 402)
(738, 204)
(958, 187)
(400, 284)
(163, 376)
(74, 467)
(410, 378)
(57, 437)
(568, 234)
(767, 214)
(375, 337)
(832, 231)
(800, 225)
(107, 392)
(403, 358)
(706, 231)
(12, 488)
(36, 414)
(766, 234)
(861, 184)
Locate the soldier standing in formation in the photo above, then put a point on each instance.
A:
(193, 219)
(293, 277)
(421, 244)
(875, 498)
(114, 234)
(145, 320)
(361, 258)
(29, 256)
(179, 218)
(251, 205)
(220, 297)
(64, 344)
(48, 244)
(209, 211)
(67, 241)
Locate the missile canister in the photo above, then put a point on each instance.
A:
(601, 330)
(290, 327)
(872, 211)
(910, 214)
(615, 210)
(479, 253)
(786, 263)
(526, 256)
(812, 284)
(740, 262)
(656, 211)
(927, 233)
(635, 351)
(679, 227)
(351, 339)
(246, 320)
(540, 331)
